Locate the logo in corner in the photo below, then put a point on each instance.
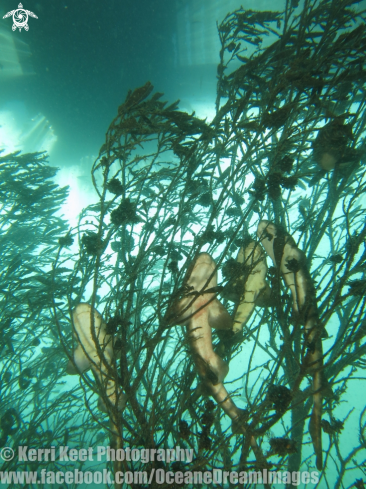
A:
(20, 17)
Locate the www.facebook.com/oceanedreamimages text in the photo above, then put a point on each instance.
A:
(144, 456)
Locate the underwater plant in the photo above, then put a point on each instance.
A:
(286, 146)
(34, 406)
(285, 151)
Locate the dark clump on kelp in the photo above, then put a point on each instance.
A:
(287, 145)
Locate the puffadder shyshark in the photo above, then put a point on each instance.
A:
(290, 263)
(94, 350)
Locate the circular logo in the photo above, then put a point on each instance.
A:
(7, 454)
(20, 19)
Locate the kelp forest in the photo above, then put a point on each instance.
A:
(213, 297)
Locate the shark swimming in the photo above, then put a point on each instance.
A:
(200, 311)
(94, 350)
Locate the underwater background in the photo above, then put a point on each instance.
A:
(264, 119)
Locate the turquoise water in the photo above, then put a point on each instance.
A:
(134, 188)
